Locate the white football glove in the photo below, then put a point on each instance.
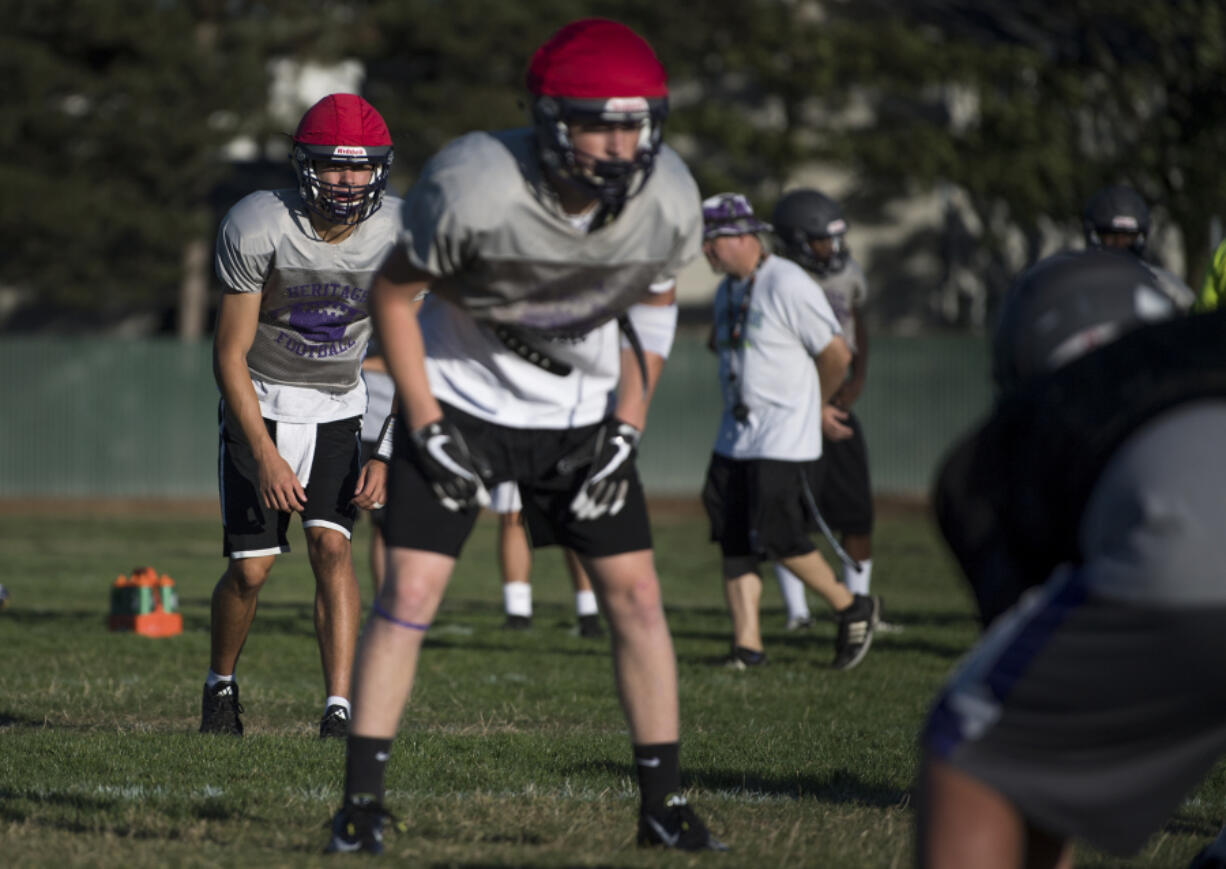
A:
(610, 462)
(452, 471)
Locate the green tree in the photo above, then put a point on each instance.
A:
(115, 113)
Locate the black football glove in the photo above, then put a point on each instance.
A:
(610, 463)
(452, 471)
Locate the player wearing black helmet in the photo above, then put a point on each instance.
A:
(1095, 483)
(812, 232)
(535, 244)
(1116, 217)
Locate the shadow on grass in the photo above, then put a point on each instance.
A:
(14, 719)
(840, 786)
(33, 618)
(9, 811)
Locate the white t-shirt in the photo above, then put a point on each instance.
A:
(786, 323)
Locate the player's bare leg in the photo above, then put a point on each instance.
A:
(744, 596)
(857, 614)
(645, 668)
(337, 605)
(388, 652)
(586, 606)
(378, 557)
(643, 660)
(578, 575)
(962, 822)
(814, 572)
(233, 609)
(858, 546)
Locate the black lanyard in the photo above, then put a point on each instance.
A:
(737, 317)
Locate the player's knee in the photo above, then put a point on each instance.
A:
(410, 599)
(327, 544)
(636, 602)
(510, 520)
(248, 575)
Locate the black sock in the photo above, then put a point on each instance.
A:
(659, 771)
(365, 762)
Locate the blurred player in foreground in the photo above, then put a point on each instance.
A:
(1085, 513)
(536, 245)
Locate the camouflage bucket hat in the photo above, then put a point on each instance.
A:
(729, 214)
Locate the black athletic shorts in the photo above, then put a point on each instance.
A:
(758, 509)
(841, 482)
(249, 529)
(1094, 717)
(416, 519)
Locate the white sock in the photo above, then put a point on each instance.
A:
(517, 598)
(333, 700)
(793, 591)
(857, 580)
(213, 678)
(585, 603)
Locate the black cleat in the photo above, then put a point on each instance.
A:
(358, 826)
(219, 710)
(335, 723)
(589, 627)
(678, 827)
(856, 626)
(741, 658)
(517, 623)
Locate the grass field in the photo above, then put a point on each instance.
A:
(513, 751)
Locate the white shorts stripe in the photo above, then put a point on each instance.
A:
(324, 523)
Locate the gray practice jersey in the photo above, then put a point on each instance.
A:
(786, 323)
(846, 290)
(1151, 532)
(314, 325)
(483, 221)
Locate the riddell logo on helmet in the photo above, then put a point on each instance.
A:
(1126, 223)
(349, 151)
(626, 105)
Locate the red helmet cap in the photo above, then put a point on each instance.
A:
(595, 58)
(344, 121)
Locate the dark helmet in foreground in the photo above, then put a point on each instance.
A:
(598, 71)
(342, 128)
(1066, 305)
(1116, 211)
(802, 216)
